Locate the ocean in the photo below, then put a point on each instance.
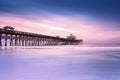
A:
(60, 63)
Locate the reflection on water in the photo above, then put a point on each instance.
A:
(60, 63)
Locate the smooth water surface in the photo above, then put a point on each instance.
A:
(60, 63)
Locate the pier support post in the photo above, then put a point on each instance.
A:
(23, 41)
(26, 41)
(19, 40)
(16, 40)
(40, 41)
(6, 36)
(11, 40)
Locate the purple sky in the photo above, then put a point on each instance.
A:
(95, 21)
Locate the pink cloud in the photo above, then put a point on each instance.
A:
(63, 26)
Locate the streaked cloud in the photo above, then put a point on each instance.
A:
(92, 20)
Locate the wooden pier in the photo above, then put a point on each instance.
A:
(11, 37)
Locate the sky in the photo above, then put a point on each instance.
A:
(94, 21)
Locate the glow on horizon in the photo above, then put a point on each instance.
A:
(63, 26)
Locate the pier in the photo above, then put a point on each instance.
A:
(11, 37)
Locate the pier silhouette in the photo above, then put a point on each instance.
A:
(20, 38)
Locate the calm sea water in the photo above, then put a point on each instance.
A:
(60, 63)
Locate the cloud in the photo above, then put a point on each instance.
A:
(92, 20)
(63, 26)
